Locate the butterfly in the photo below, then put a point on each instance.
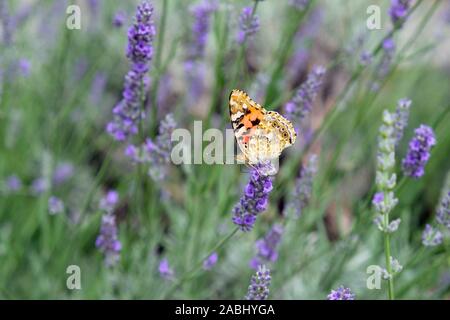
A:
(261, 135)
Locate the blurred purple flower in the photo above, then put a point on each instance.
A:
(301, 104)
(63, 172)
(299, 4)
(97, 88)
(165, 270)
(384, 66)
(7, 23)
(399, 10)
(254, 200)
(200, 28)
(341, 293)
(443, 211)
(431, 236)
(13, 183)
(299, 199)
(401, 118)
(140, 52)
(24, 66)
(39, 185)
(248, 25)
(267, 247)
(418, 152)
(55, 205)
(210, 261)
(259, 285)
(107, 241)
(119, 19)
(109, 201)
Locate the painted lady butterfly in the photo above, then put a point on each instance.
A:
(261, 135)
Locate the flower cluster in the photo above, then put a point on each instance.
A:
(401, 121)
(107, 240)
(254, 200)
(399, 10)
(248, 25)
(259, 285)
(418, 152)
(301, 104)
(303, 189)
(267, 247)
(140, 52)
(396, 268)
(431, 236)
(157, 153)
(341, 293)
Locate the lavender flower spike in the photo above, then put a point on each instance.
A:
(140, 52)
(248, 25)
(107, 240)
(165, 270)
(443, 212)
(259, 285)
(418, 152)
(341, 293)
(399, 10)
(301, 104)
(303, 189)
(200, 28)
(267, 247)
(253, 201)
(401, 121)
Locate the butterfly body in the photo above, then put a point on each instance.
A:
(261, 135)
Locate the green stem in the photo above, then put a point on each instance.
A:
(193, 272)
(387, 253)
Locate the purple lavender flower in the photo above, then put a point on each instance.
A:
(267, 247)
(341, 293)
(248, 25)
(254, 200)
(210, 261)
(109, 201)
(39, 185)
(165, 270)
(299, 4)
(401, 121)
(303, 189)
(443, 211)
(63, 172)
(7, 23)
(119, 19)
(259, 285)
(55, 205)
(399, 10)
(140, 52)
(13, 183)
(431, 236)
(24, 66)
(385, 63)
(301, 104)
(107, 240)
(418, 152)
(200, 28)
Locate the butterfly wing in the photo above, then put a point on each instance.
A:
(261, 135)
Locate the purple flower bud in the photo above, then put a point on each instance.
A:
(431, 236)
(341, 293)
(248, 25)
(55, 205)
(165, 270)
(210, 261)
(107, 240)
(259, 285)
(109, 201)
